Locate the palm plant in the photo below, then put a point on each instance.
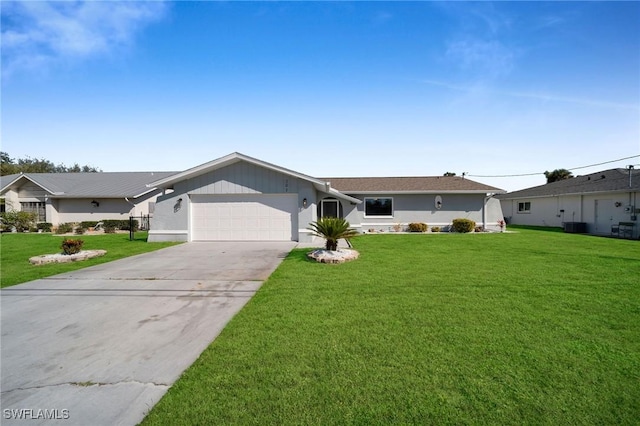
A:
(332, 229)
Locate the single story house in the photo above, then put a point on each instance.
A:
(75, 197)
(598, 202)
(238, 197)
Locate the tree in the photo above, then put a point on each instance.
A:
(558, 174)
(332, 229)
(449, 174)
(9, 166)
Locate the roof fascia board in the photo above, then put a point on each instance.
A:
(475, 191)
(613, 191)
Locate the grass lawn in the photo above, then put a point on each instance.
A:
(16, 249)
(534, 327)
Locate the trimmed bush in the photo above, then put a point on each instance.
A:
(44, 226)
(418, 227)
(71, 246)
(463, 225)
(435, 229)
(21, 221)
(89, 224)
(64, 228)
(122, 225)
(80, 230)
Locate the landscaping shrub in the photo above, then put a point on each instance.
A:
(21, 221)
(418, 227)
(435, 229)
(122, 225)
(44, 226)
(71, 246)
(89, 224)
(478, 229)
(64, 228)
(80, 230)
(463, 225)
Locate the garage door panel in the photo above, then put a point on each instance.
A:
(244, 217)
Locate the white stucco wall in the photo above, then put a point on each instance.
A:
(599, 211)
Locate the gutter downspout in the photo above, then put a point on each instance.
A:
(484, 211)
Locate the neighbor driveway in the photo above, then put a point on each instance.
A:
(100, 346)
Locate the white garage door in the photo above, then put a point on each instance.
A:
(244, 217)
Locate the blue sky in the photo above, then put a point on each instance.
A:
(325, 88)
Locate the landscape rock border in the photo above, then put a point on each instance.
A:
(329, 256)
(66, 258)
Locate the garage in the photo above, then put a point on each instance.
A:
(244, 217)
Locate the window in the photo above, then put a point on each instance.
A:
(378, 207)
(330, 208)
(37, 208)
(524, 207)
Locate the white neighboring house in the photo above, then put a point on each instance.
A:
(75, 197)
(597, 202)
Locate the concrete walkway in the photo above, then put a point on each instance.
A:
(101, 346)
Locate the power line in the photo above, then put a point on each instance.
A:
(541, 173)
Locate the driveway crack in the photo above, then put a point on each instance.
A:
(87, 384)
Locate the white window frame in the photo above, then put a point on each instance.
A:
(37, 207)
(329, 200)
(524, 204)
(378, 198)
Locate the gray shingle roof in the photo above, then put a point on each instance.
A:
(409, 184)
(82, 185)
(605, 181)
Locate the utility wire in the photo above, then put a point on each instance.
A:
(541, 173)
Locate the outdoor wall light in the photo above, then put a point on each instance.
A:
(179, 200)
(304, 203)
(438, 202)
(95, 204)
(618, 203)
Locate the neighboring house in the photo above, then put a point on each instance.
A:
(75, 197)
(599, 200)
(238, 197)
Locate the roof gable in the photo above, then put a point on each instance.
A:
(83, 185)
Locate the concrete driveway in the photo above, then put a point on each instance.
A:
(101, 346)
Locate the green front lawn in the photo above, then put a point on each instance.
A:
(16, 249)
(534, 327)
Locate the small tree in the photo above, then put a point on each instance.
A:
(332, 229)
(558, 174)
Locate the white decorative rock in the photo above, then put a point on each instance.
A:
(64, 258)
(330, 256)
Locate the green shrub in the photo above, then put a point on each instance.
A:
(21, 221)
(463, 225)
(121, 224)
(44, 226)
(65, 228)
(418, 227)
(89, 224)
(435, 229)
(80, 230)
(71, 246)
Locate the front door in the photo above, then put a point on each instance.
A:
(604, 216)
(330, 208)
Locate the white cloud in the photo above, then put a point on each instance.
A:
(37, 35)
(484, 56)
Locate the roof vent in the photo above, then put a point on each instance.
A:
(602, 176)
